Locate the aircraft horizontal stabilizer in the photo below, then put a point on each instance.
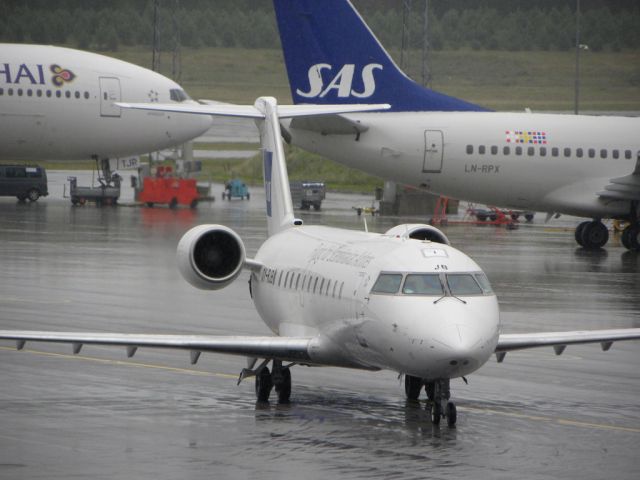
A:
(250, 111)
(559, 340)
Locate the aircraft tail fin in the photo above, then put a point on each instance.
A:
(267, 114)
(333, 57)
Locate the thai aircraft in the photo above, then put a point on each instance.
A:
(59, 103)
(405, 300)
(561, 164)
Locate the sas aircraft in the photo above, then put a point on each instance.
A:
(60, 103)
(570, 164)
(405, 300)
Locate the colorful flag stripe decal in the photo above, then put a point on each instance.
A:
(531, 137)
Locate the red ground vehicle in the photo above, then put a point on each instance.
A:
(164, 188)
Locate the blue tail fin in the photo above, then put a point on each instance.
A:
(332, 57)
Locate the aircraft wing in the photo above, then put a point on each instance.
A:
(560, 340)
(624, 188)
(250, 111)
(288, 349)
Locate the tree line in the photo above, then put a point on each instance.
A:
(453, 24)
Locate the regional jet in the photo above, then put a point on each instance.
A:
(404, 300)
(561, 164)
(60, 103)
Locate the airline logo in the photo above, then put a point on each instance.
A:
(340, 82)
(61, 75)
(532, 137)
(268, 163)
(24, 74)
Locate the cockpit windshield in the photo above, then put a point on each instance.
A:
(432, 284)
(178, 95)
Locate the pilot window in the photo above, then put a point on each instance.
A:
(387, 283)
(178, 95)
(463, 284)
(423, 284)
(483, 281)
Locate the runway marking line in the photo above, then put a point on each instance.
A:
(536, 418)
(559, 421)
(123, 362)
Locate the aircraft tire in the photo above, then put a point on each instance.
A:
(631, 237)
(284, 388)
(264, 384)
(412, 387)
(436, 413)
(578, 233)
(452, 414)
(594, 235)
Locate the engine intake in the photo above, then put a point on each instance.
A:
(419, 231)
(210, 257)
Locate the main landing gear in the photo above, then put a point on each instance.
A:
(438, 394)
(631, 237)
(592, 234)
(280, 378)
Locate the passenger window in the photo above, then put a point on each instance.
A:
(59, 94)
(86, 95)
(280, 278)
(315, 284)
(494, 150)
(481, 149)
(340, 293)
(469, 149)
(627, 154)
(19, 92)
(579, 152)
(543, 151)
(321, 285)
(531, 151)
(333, 293)
(555, 152)
(10, 91)
(567, 152)
(387, 283)
(39, 93)
(506, 151)
(77, 94)
(518, 150)
(48, 93)
(615, 154)
(463, 284)
(423, 284)
(297, 281)
(29, 93)
(483, 281)
(603, 153)
(1, 91)
(592, 153)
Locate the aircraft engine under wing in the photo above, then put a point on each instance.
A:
(329, 125)
(560, 340)
(624, 188)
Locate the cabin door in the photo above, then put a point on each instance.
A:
(109, 94)
(433, 151)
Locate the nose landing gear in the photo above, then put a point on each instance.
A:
(438, 394)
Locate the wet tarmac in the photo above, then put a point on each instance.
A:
(100, 415)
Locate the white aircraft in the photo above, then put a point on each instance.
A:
(59, 103)
(578, 165)
(404, 300)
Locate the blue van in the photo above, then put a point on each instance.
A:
(23, 181)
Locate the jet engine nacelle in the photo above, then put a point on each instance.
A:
(210, 257)
(419, 231)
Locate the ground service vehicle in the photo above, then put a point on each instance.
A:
(307, 194)
(23, 182)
